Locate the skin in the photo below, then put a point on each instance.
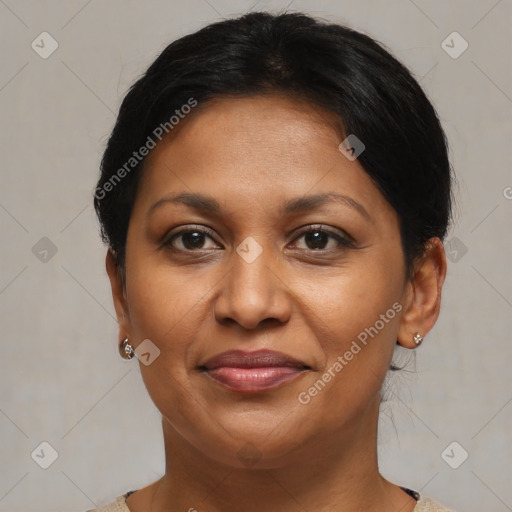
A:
(308, 301)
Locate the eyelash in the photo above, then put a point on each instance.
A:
(344, 241)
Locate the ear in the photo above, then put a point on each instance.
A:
(119, 295)
(422, 297)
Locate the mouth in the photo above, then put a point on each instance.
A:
(252, 372)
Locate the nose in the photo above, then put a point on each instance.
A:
(253, 294)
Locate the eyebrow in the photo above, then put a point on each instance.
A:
(208, 204)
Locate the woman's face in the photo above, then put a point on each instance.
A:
(251, 230)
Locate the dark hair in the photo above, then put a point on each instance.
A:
(332, 66)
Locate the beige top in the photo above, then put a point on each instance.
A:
(119, 505)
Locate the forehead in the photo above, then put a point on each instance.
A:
(256, 149)
(254, 127)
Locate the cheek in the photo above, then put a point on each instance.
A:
(351, 301)
(162, 302)
(356, 321)
(164, 309)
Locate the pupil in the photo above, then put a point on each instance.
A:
(318, 238)
(193, 240)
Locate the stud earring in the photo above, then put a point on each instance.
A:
(126, 350)
(418, 339)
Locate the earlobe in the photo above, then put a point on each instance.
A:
(118, 294)
(424, 295)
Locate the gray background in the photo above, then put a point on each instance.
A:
(62, 380)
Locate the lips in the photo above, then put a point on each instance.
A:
(256, 371)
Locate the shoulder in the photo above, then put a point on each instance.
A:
(118, 505)
(427, 505)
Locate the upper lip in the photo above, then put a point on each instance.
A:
(255, 359)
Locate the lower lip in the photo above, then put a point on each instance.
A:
(252, 380)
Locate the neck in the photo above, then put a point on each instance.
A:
(337, 471)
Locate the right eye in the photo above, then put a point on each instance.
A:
(191, 239)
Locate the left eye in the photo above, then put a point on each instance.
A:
(316, 238)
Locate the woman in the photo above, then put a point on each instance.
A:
(274, 196)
